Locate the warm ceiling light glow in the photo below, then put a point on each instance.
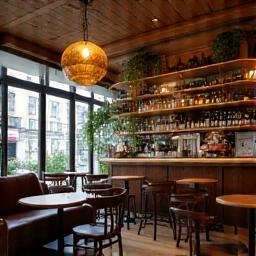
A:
(84, 62)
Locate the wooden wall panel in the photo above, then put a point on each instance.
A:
(153, 173)
(238, 180)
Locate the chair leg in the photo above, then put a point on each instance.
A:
(120, 245)
(100, 252)
(172, 224)
(179, 235)
(132, 198)
(197, 235)
(155, 215)
(144, 214)
(207, 234)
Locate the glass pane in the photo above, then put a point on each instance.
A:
(81, 147)
(58, 80)
(58, 85)
(22, 75)
(22, 130)
(83, 92)
(99, 97)
(57, 134)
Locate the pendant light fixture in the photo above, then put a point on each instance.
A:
(84, 62)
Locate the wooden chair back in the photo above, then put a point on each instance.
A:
(166, 187)
(94, 178)
(57, 179)
(94, 188)
(111, 205)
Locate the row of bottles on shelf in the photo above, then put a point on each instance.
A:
(204, 119)
(185, 100)
(147, 87)
(192, 63)
(211, 144)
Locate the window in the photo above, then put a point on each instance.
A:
(11, 101)
(81, 157)
(32, 105)
(22, 131)
(33, 124)
(99, 97)
(14, 122)
(57, 135)
(24, 76)
(54, 109)
(54, 145)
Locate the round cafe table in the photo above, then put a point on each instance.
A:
(59, 201)
(126, 179)
(244, 201)
(196, 181)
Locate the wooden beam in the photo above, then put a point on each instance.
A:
(130, 44)
(26, 47)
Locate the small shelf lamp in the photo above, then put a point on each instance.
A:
(84, 62)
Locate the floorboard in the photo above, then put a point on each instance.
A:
(221, 244)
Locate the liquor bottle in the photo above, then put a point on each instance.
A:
(207, 119)
(225, 116)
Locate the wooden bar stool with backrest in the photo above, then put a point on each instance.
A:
(107, 233)
(55, 179)
(156, 191)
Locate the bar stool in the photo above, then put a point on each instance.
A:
(130, 197)
(155, 190)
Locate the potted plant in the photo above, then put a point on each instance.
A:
(227, 45)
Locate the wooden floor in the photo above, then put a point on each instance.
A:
(143, 245)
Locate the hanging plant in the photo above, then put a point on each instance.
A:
(100, 131)
(227, 45)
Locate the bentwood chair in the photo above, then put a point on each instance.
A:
(103, 234)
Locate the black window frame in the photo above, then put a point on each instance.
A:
(43, 89)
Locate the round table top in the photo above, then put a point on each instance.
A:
(58, 200)
(128, 177)
(237, 200)
(196, 180)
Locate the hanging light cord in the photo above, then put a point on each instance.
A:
(85, 21)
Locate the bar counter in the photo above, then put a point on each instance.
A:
(234, 175)
(181, 161)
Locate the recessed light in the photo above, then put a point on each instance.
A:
(155, 20)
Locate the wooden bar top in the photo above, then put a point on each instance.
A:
(180, 161)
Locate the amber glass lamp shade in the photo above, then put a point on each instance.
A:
(84, 62)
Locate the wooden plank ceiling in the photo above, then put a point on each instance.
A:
(43, 28)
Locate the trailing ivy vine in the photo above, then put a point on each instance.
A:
(100, 131)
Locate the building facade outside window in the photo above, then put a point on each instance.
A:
(11, 101)
(24, 119)
(32, 104)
